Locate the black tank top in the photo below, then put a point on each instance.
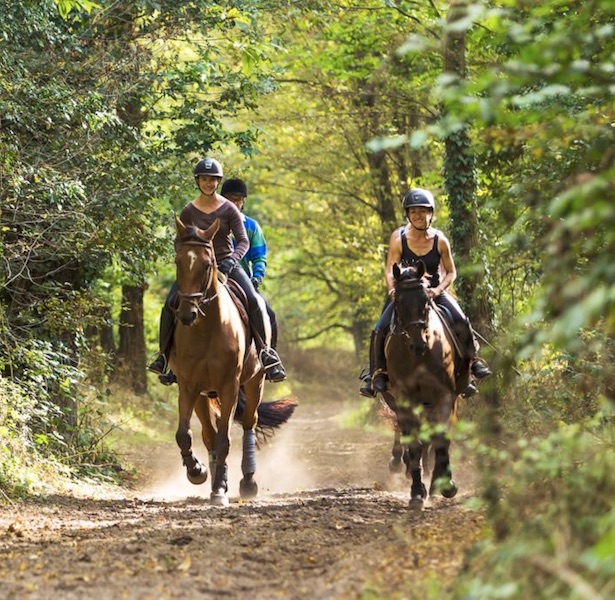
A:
(431, 259)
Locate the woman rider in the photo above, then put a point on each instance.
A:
(419, 241)
(202, 212)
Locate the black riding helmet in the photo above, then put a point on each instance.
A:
(419, 197)
(208, 166)
(234, 186)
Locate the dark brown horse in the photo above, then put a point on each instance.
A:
(213, 357)
(420, 362)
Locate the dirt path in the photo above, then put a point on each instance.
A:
(330, 522)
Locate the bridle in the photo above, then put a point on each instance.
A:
(199, 299)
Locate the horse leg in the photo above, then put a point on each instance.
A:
(418, 491)
(248, 488)
(196, 471)
(442, 478)
(396, 464)
(219, 486)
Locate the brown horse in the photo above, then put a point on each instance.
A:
(213, 356)
(421, 367)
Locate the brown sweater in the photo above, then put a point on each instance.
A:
(230, 223)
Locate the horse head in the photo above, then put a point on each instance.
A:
(196, 269)
(411, 303)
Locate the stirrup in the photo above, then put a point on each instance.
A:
(168, 378)
(159, 366)
(271, 362)
(367, 389)
(479, 368)
(470, 391)
(269, 358)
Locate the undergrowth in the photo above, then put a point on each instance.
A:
(548, 484)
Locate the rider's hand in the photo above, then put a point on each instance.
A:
(256, 282)
(433, 292)
(227, 265)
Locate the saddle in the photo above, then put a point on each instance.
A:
(240, 299)
(462, 365)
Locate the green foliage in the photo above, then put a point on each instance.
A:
(558, 508)
(41, 440)
(99, 107)
(328, 209)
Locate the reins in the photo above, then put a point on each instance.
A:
(202, 300)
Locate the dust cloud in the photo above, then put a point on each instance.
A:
(312, 451)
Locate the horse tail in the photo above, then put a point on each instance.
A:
(276, 413)
(271, 415)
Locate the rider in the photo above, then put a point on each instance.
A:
(254, 261)
(418, 240)
(202, 212)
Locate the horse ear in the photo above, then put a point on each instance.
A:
(181, 228)
(396, 271)
(420, 269)
(212, 229)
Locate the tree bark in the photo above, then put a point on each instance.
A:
(460, 185)
(131, 351)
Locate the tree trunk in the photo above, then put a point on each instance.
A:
(131, 351)
(460, 184)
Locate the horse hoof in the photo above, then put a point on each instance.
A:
(416, 502)
(219, 498)
(396, 465)
(197, 476)
(248, 488)
(450, 490)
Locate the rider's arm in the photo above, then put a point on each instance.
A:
(447, 265)
(393, 256)
(257, 254)
(239, 231)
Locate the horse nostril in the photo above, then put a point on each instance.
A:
(187, 318)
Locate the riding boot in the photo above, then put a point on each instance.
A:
(478, 367)
(160, 366)
(380, 378)
(274, 369)
(273, 374)
(367, 388)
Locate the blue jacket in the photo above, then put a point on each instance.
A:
(255, 260)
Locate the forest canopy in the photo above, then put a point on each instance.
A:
(331, 110)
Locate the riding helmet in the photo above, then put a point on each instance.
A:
(208, 166)
(419, 197)
(234, 186)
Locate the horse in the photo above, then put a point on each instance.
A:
(420, 358)
(216, 364)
